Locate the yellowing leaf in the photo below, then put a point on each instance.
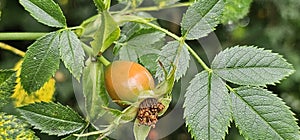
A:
(21, 97)
(12, 128)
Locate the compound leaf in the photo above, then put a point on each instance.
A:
(173, 53)
(12, 128)
(106, 34)
(201, 18)
(52, 118)
(7, 84)
(251, 66)
(40, 62)
(72, 53)
(235, 10)
(94, 90)
(207, 107)
(45, 11)
(259, 114)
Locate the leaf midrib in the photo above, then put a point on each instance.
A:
(204, 15)
(71, 48)
(61, 24)
(43, 60)
(51, 118)
(250, 107)
(251, 67)
(208, 105)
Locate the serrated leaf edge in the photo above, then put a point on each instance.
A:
(292, 70)
(32, 123)
(212, 27)
(69, 67)
(57, 66)
(231, 112)
(57, 6)
(274, 95)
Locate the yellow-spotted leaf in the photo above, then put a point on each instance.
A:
(22, 98)
(12, 128)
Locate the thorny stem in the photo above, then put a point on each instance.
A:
(12, 49)
(180, 39)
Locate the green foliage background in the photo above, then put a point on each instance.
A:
(270, 24)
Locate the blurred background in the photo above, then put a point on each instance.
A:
(270, 24)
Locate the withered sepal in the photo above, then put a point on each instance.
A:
(148, 112)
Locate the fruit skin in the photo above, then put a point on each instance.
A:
(125, 80)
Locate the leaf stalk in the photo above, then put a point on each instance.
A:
(180, 39)
(154, 8)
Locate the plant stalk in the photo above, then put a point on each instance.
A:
(196, 56)
(12, 49)
(155, 8)
(180, 39)
(103, 60)
(21, 35)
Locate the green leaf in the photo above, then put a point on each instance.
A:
(129, 113)
(102, 4)
(40, 62)
(166, 86)
(141, 45)
(149, 61)
(176, 54)
(45, 11)
(12, 128)
(251, 66)
(99, 4)
(140, 131)
(138, 40)
(7, 86)
(207, 107)
(235, 10)
(94, 90)
(72, 53)
(89, 28)
(52, 118)
(106, 34)
(259, 114)
(201, 18)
